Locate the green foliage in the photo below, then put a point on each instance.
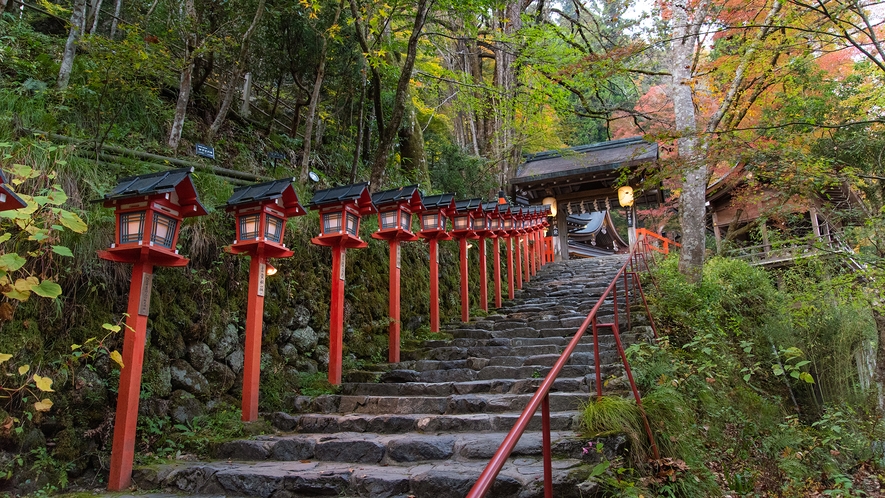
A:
(719, 391)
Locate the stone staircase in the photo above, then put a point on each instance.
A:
(430, 424)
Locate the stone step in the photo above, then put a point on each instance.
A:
(456, 404)
(521, 477)
(492, 386)
(427, 423)
(393, 449)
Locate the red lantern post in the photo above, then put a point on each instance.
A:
(8, 200)
(482, 228)
(148, 211)
(462, 223)
(261, 211)
(506, 233)
(527, 234)
(492, 231)
(395, 208)
(340, 211)
(437, 208)
(516, 233)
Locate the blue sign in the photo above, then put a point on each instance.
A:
(205, 151)
(275, 155)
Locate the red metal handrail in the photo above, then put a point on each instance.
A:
(541, 397)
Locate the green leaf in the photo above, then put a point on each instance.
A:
(62, 251)
(794, 374)
(806, 377)
(802, 363)
(47, 288)
(747, 378)
(11, 261)
(6, 236)
(72, 221)
(777, 369)
(600, 468)
(111, 327)
(57, 196)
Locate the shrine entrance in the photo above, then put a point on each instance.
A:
(584, 180)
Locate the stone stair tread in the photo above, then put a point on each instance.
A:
(440, 405)
(492, 386)
(521, 477)
(392, 449)
(427, 423)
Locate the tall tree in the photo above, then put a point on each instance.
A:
(78, 20)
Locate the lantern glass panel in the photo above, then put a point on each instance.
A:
(406, 221)
(442, 221)
(131, 227)
(273, 228)
(353, 224)
(332, 222)
(388, 220)
(249, 226)
(479, 223)
(508, 224)
(461, 223)
(494, 223)
(429, 221)
(163, 230)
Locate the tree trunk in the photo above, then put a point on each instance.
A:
(385, 144)
(94, 15)
(78, 18)
(360, 129)
(315, 100)
(692, 211)
(118, 6)
(879, 374)
(231, 88)
(187, 75)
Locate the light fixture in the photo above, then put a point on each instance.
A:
(270, 270)
(625, 196)
(550, 201)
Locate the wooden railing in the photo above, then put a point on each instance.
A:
(629, 273)
(784, 251)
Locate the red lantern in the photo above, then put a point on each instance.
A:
(261, 211)
(8, 199)
(340, 211)
(437, 209)
(395, 208)
(148, 210)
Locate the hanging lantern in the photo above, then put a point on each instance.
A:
(625, 196)
(550, 201)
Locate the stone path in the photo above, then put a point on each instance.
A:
(430, 424)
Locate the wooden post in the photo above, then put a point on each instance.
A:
(526, 256)
(465, 298)
(483, 276)
(254, 326)
(717, 233)
(497, 272)
(510, 276)
(394, 302)
(562, 227)
(336, 316)
(434, 285)
(123, 446)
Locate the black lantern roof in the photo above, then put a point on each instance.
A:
(468, 205)
(13, 201)
(491, 208)
(163, 182)
(269, 191)
(505, 209)
(358, 194)
(442, 202)
(409, 194)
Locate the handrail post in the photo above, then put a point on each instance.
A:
(548, 451)
(651, 437)
(615, 299)
(651, 320)
(627, 299)
(596, 366)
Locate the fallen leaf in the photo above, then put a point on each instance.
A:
(43, 383)
(23, 369)
(44, 405)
